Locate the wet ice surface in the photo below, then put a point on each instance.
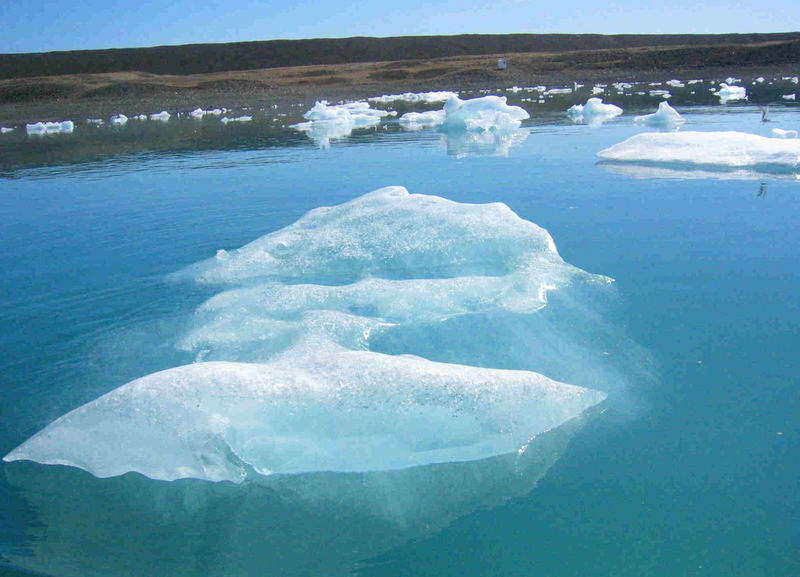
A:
(706, 277)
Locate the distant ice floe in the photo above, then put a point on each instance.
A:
(663, 93)
(709, 150)
(788, 96)
(226, 119)
(306, 301)
(665, 117)
(5, 130)
(119, 120)
(553, 91)
(594, 112)
(199, 113)
(64, 127)
(779, 133)
(487, 125)
(162, 116)
(415, 97)
(675, 83)
(727, 93)
(331, 122)
(597, 89)
(95, 121)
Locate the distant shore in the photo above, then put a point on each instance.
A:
(579, 58)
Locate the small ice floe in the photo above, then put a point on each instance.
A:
(759, 80)
(727, 93)
(226, 119)
(723, 150)
(4, 130)
(594, 112)
(732, 80)
(96, 121)
(140, 117)
(418, 120)
(330, 122)
(416, 97)
(622, 86)
(695, 81)
(662, 93)
(597, 89)
(665, 116)
(778, 133)
(553, 91)
(64, 127)
(675, 83)
(199, 113)
(788, 96)
(162, 116)
(119, 120)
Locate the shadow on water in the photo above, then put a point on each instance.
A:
(311, 524)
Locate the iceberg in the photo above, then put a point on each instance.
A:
(710, 149)
(665, 116)
(418, 120)
(5, 130)
(97, 121)
(162, 116)
(728, 93)
(594, 112)
(332, 122)
(788, 96)
(226, 119)
(64, 127)
(675, 83)
(286, 380)
(484, 114)
(415, 97)
(661, 93)
(119, 120)
(199, 113)
(779, 133)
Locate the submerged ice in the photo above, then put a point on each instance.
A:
(287, 380)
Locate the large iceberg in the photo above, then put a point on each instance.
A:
(487, 113)
(710, 149)
(594, 112)
(287, 380)
(326, 122)
(665, 116)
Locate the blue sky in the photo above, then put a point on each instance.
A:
(44, 25)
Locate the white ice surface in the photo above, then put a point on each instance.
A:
(326, 123)
(788, 96)
(5, 130)
(723, 149)
(779, 133)
(594, 112)
(665, 116)
(728, 93)
(227, 119)
(415, 97)
(119, 120)
(64, 127)
(162, 116)
(312, 294)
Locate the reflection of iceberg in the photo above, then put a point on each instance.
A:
(310, 298)
(331, 122)
(665, 117)
(462, 144)
(688, 172)
(721, 150)
(594, 112)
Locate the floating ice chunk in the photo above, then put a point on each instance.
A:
(333, 411)
(721, 149)
(759, 80)
(695, 81)
(420, 120)
(675, 83)
(162, 116)
(414, 97)
(662, 93)
(331, 122)
(96, 121)
(779, 133)
(5, 130)
(140, 117)
(788, 96)
(622, 86)
(119, 120)
(226, 119)
(732, 80)
(598, 90)
(199, 113)
(665, 116)
(594, 112)
(484, 114)
(64, 127)
(728, 93)
(558, 91)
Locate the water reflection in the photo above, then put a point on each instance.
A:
(698, 172)
(312, 524)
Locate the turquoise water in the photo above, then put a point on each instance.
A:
(691, 467)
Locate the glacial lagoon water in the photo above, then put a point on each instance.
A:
(688, 467)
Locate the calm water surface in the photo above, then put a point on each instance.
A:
(693, 468)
